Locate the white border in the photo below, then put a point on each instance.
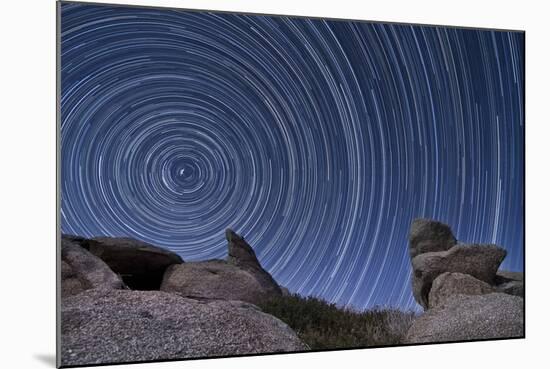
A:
(27, 152)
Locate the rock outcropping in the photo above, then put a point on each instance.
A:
(461, 289)
(202, 310)
(140, 264)
(81, 270)
(240, 277)
(479, 261)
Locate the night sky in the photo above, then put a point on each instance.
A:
(318, 140)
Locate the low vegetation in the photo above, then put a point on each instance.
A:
(322, 325)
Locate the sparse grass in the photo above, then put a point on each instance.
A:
(322, 325)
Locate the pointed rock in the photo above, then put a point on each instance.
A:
(239, 253)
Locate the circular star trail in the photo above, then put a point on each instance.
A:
(318, 140)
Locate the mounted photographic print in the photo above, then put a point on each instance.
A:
(240, 184)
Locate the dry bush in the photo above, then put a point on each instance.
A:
(323, 325)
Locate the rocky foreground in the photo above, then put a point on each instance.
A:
(464, 295)
(173, 309)
(125, 300)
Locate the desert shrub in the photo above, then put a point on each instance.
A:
(323, 325)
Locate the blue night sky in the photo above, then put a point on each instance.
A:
(318, 140)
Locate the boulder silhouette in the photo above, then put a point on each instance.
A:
(240, 254)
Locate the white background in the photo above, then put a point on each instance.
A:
(27, 207)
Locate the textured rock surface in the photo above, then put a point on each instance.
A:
(448, 284)
(427, 235)
(140, 264)
(479, 261)
(241, 277)
(121, 325)
(80, 270)
(462, 317)
(458, 285)
(70, 283)
(215, 279)
(240, 254)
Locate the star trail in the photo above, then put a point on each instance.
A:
(318, 140)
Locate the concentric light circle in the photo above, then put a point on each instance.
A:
(317, 140)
